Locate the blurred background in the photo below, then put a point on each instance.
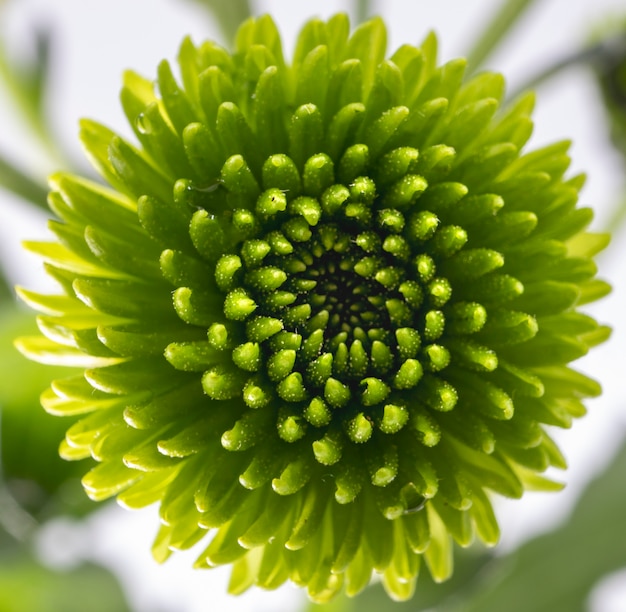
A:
(63, 60)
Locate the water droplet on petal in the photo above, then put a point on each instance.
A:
(143, 124)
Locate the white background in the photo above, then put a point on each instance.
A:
(97, 40)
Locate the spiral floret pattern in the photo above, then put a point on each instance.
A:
(323, 311)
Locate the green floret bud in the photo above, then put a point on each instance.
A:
(325, 309)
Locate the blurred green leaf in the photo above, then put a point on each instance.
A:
(27, 586)
(30, 437)
(558, 570)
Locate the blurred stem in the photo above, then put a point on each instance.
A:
(603, 56)
(27, 87)
(6, 291)
(229, 15)
(495, 31)
(603, 53)
(615, 222)
(13, 518)
(15, 181)
(24, 102)
(363, 10)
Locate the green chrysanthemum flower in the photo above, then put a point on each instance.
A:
(325, 311)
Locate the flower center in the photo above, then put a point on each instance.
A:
(348, 303)
(339, 293)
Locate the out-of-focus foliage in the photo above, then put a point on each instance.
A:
(13, 179)
(26, 81)
(494, 31)
(557, 571)
(29, 437)
(228, 14)
(610, 69)
(27, 586)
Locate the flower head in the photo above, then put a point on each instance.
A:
(325, 309)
